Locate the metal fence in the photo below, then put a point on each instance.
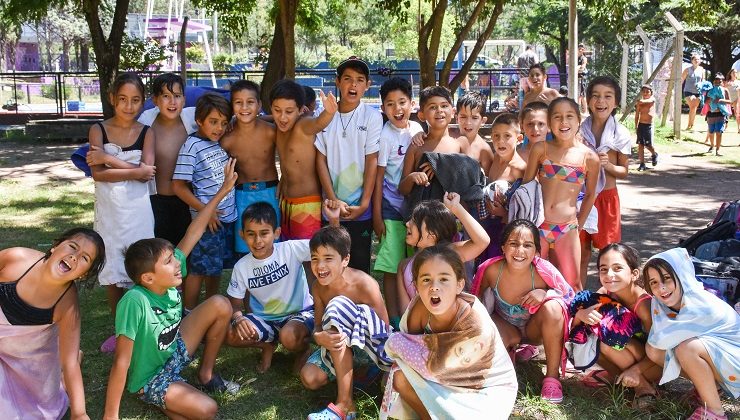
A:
(76, 93)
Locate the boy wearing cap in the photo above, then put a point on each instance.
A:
(348, 157)
(644, 111)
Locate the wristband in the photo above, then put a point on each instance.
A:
(237, 320)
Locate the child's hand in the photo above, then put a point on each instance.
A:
(146, 172)
(245, 329)
(96, 156)
(630, 378)
(214, 224)
(332, 209)
(331, 340)
(378, 226)
(418, 139)
(230, 175)
(420, 178)
(426, 167)
(590, 315)
(451, 200)
(533, 298)
(329, 102)
(603, 158)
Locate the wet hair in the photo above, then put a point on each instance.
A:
(310, 96)
(98, 262)
(260, 212)
(472, 100)
(662, 267)
(506, 118)
(605, 81)
(210, 102)
(431, 91)
(630, 255)
(521, 224)
(124, 78)
(532, 107)
(396, 83)
(242, 84)
(443, 252)
(166, 80)
(288, 89)
(142, 255)
(334, 237)
(538, 66)
(438, 220)
(557, 101)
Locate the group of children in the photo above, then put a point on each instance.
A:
(522, 215)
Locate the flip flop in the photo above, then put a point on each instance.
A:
(332, 412)
(597, 378)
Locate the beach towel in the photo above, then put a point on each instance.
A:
(715, 94)
(559, 290)
(463, 373)
(702, 315)
(526, 203)
(615, 137)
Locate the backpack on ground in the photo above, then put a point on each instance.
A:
(723, 230)
(728, 211)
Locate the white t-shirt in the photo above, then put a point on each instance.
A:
(277, 285)
(394, 142)
(187, 116)
(345, 143)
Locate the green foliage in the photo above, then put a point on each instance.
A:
(223, 62)
(139, 55)
(337, 53)
(50, 91)
(195, 54)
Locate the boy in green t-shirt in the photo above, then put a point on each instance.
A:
(154, 342)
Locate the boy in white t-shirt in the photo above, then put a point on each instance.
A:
(270, 284)
(348, 157)
(396, 95)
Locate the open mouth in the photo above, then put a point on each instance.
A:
(666, 296)
(322, 274)
(65, 267)
(435, 300)
(167, 336)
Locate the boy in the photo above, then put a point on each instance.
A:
(348, 157)
(171, 125)
(252, 143)
(300, 189)
(470, 117)
(310, 106)
(154, 343)
(200, 166)
(644, 125)
(719, 100)
(271, 284)
(388, 223)
(352, 316)
(539, 90)
(435, 107)
(533, 122)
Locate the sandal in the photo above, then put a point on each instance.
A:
(597, 378)
(552, 390)
(525, 353)
(644, 402)
(703, 413)
(332, 412)
(219, 384)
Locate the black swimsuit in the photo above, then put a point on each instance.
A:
(138, 144)
(19, 312)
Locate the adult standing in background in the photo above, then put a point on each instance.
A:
(524, 62)
(733, 86)
(582, 72)
(691, 77)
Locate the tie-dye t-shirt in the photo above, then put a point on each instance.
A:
(394, 142)
(277, 285)
(345, 143)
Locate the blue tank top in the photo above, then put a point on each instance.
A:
(693, 77)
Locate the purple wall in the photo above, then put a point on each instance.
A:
(27, 57)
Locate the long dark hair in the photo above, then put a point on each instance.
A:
(97, 264)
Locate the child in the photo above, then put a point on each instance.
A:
(613, 143)
(171, 125)
(271, 284)
(644, 111)
(533, 123)
(310, 106)
(619, 312)
(694, 332)
(435, 107)
(719, 111)
(352, 317)
(564, 166)
(538, 81)
(40, 325)
(155, 342)
(451, 362)
(396, 95)
(252, 144)
(528, 300)
(348, 157)
(300, 189)
(121, 158)
(200, 166)
(433, 223)
(470, 108)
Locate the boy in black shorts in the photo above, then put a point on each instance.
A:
(644, 111)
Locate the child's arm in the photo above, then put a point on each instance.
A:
(204, 217)
(479, 239)
(403, 295)
(98, 156)
(409, 178)
(331, 340)
(69, 349)
(592, 177)
(377, 213)
(322, 169)
(533, 162)
(375, 298)
(618, 170)
(143, 172)
(638, 110)
(311, 126)
(182, 190)
(332, 209)
(244, 328)
(417, 317)
(117, 379)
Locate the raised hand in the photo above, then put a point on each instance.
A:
(329, 102)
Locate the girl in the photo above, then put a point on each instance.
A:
(612, 141)
(619, 314)
(564, 166)
(528, 299)
(121, 158)
(694, 333)
(733, 86)
(450, 358)
(434, 223)
(40, 325)
(690, 77)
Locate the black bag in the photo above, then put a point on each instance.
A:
(716, 232)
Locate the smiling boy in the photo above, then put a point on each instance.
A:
(539, 90)
(470, 118)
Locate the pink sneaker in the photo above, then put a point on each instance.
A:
(525, 353)
(552, 390)
(703, 413)
(109, 345)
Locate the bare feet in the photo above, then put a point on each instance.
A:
(268, 349)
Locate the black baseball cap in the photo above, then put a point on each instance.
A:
(353, 62)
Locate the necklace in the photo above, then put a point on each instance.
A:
(344, 127)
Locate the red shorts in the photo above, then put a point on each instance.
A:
(610, 220)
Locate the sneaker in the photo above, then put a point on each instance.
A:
(109, 345)
(710, 149)
(525, 353)
(642, 167)
(717, 153)
(552, 390)
(655, 159)
(219, 384)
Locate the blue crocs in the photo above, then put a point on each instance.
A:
(332, 412)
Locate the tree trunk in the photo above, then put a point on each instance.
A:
(288, 10)
(275, 64)
(84, 56)
(428, 46)
(65, 55)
